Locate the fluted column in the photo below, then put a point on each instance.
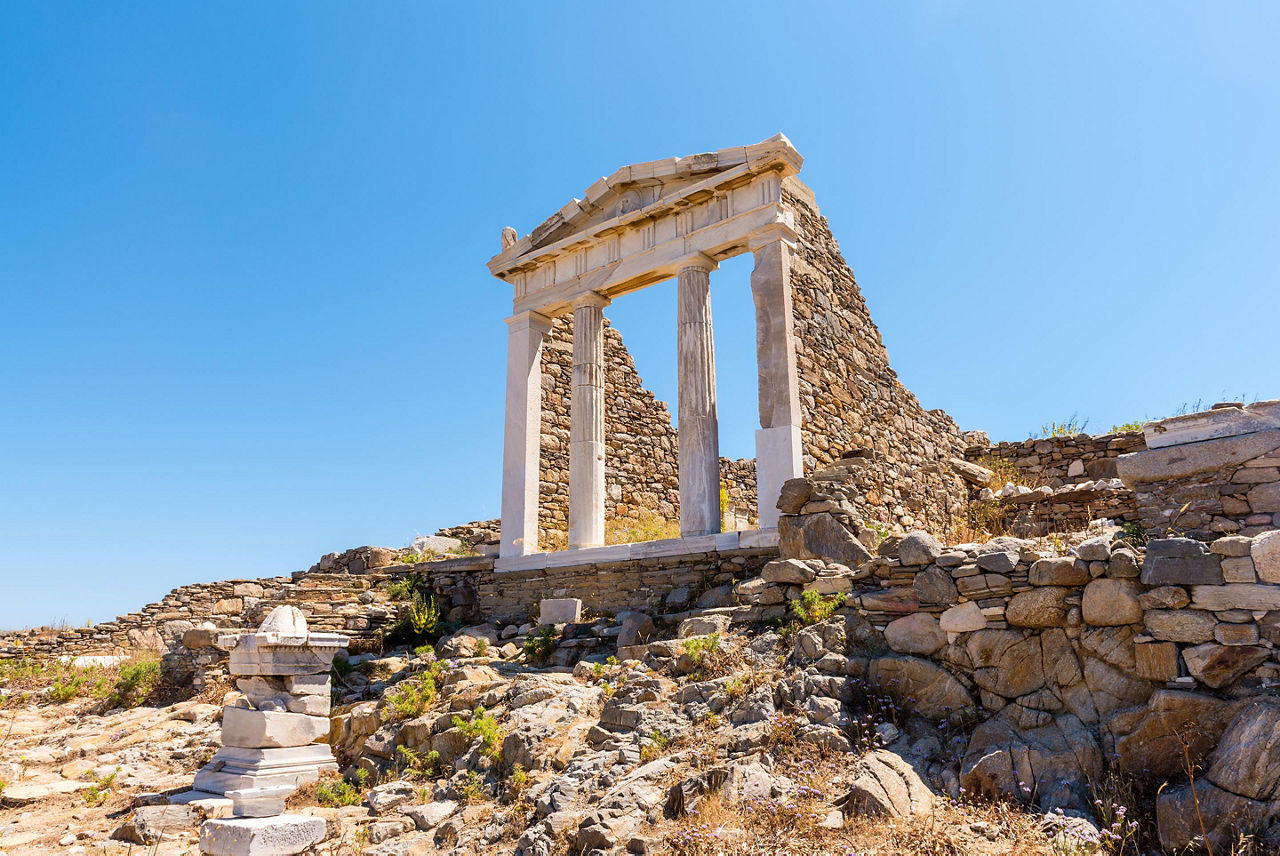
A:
(699, 430)
(520, 446)
(778, 446)
(586, 424)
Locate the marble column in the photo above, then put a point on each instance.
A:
(520, 446)
(699, 429)
(778, 446)
(586, 424)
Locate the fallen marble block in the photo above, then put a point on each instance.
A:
(284, 835)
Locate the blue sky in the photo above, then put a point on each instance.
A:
(247, 319)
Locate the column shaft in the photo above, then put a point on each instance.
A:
(699, 430)
(586, 425)
(778, 445)
(520, 447)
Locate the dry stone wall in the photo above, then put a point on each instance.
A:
(1208, 474)
(641, 473)
(1058, 461)
(853, 402)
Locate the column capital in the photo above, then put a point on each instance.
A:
(697, 261)
(591, 298)
(771, 233)
(529, 320)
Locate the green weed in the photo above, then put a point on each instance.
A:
(484, 727)
(811, 607)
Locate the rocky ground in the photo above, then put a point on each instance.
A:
(789, 713)
(716, 742)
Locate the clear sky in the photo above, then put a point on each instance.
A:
(247, 319)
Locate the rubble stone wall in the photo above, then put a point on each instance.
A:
(852, 399)
(641, 451)
(1057, 461)
(660, 585)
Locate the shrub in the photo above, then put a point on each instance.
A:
(484, 727)
(1126, 427)
(472, 790)
(407, 587)
(539, 646)
(97, 793)
(337, 793)
(411, 698)
(517, 780)
(1070, 428)
(702, 648)
(67, 687)
(812, 607)
(137, 681)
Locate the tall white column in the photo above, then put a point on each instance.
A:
(778, 447)
(520, 446)
(699, 430)
(586, 424)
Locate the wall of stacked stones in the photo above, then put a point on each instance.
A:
(1239, 497)
(1068, 662)
(641, 451)
(1058, 461)
(738, 479)
(851, 398)
(664, 585)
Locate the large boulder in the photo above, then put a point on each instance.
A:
(1219, 666)
(884, 784)
(820, 536)
(1247, 760)
(918, 548)
(1186, 817)
(918, 633)
(1239, 792)
(1046, 606)
(1150, 740)
(1049, 766)
(922, 687)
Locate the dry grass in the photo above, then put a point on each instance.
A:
(648, 526)
(792, 825)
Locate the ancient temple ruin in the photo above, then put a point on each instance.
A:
(824, 384)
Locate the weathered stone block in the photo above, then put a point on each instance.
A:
(1059, 571)
(915, 634)
(963, 618)
(283, 835)
(1236, 634)
(1236, 596)
(1219, 666)
(1156, 661)
(559, 610)
(1265, 554)
(1111, 602)
(1045, 606)
(1238, 570)
(1205, 569)
(1190, 626)
(262, 729)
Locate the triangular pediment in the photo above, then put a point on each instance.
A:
(643, 186)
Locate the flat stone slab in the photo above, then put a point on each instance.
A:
(284, 835)
(264, 729)
(1212, 424)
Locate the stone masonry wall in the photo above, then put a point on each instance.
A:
(641, 453)
(1208, 474)
(853, 401)
(1056, 461)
